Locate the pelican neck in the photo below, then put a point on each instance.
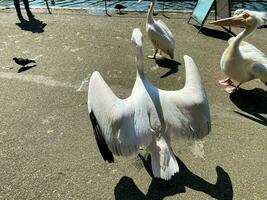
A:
(139, 61)
(150, 18)
(245, 33)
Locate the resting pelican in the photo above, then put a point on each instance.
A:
(149, 116)
(159, 34)
(242, 61)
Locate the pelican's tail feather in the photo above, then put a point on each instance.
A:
(163, 161)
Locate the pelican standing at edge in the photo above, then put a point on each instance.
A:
(149, 116)
(159, 34)
(241, 61)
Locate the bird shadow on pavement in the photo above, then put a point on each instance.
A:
(121, 13)
(262, 26)
(223, 35)
(126, 189)
(23, 69)
(252, 102)
(172, 65)
(34, 25)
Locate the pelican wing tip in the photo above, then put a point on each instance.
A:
(100, 139)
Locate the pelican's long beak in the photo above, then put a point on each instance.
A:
(238, 20)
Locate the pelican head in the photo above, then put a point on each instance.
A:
(262, 16)
(137, 37)
(244, 18)
(137, 40)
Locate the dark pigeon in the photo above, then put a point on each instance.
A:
(23, 61)
(119, 7)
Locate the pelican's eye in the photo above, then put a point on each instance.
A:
(246, 15)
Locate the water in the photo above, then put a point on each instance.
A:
(260, 5)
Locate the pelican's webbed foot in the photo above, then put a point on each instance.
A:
(232, 89)
(226, 81)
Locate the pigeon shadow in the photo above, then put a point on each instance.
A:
(23, 69)
(159, 189)
(216, 33)
(34, 25)
(252, 102)
(172, 65)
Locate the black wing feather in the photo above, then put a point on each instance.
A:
(100, 140)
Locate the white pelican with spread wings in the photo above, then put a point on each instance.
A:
(149, 116)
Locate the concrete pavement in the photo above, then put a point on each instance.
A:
(47, 148)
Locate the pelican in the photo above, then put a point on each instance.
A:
(149, 116)
(241, 61)
(159, 34)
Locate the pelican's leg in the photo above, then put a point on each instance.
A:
(159, 54)
(226, 81)
(232, 89)
(154, 55)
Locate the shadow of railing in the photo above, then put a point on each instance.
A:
(222, 35)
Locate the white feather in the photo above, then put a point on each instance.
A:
(249, 51)
(192, 102)
(163, 161)
(123, 122)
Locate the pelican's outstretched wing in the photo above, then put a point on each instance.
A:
(191, 102)
(120, 127)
